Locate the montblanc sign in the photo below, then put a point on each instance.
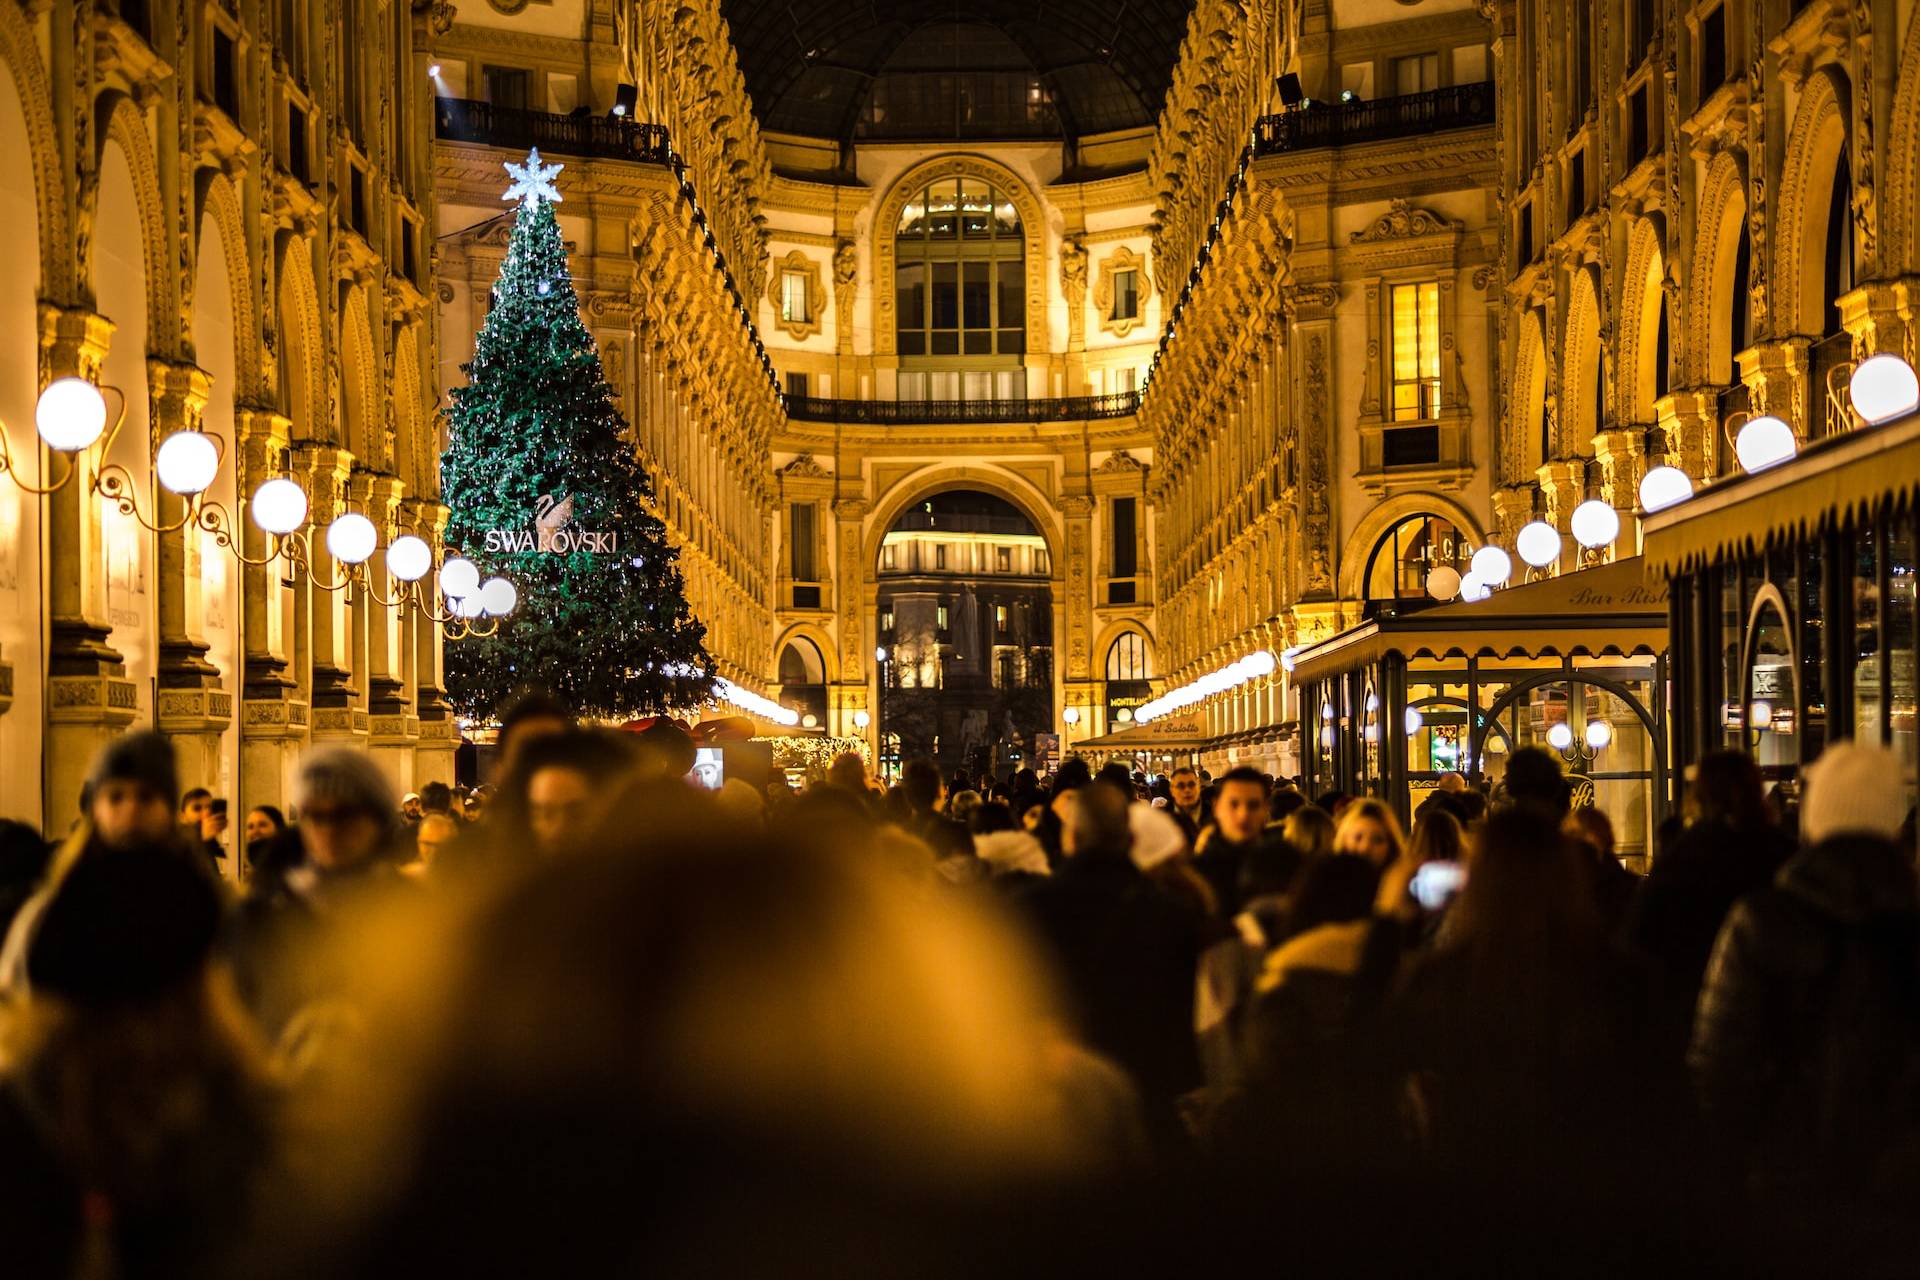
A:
(552, 532)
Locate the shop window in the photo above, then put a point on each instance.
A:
(1127, 657)
(1409, 552)
(1416, 351)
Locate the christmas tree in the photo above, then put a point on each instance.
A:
(543, 485)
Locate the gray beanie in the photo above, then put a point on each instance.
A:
(350, 779)
(143, 757)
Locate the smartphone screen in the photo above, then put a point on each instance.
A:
(1436, 882)
(709, 770)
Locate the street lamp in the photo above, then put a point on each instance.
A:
(880, 708)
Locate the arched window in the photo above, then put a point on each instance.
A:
(800, 663)
(1127, 657)
(960, 281)
(1408, 552)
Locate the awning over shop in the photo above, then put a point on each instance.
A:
(1612, 609)
(1168, 733)
(1862, 472)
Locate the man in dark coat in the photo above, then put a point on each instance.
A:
(1126, 952)
(1806, 1048)
(1239, 818)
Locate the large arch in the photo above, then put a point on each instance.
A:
(300, 372)
(123, 131)
(1380, 520)
(1815, 145)
(1899, 213)
(1580, 406)
(33, 95)
(411, 461)
(362, 423)
(935, 478)
(1642, 301)
(219, 212)
(816, 635)
(1033, 225)
(1721, 221)
(1527, 444)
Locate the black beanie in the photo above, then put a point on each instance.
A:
(124, 926)
(143, 757)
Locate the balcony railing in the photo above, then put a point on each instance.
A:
(1315, 124)
(907, 413)
(597, 137)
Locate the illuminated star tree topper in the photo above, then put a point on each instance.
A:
(533, 181)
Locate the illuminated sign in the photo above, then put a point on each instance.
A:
(552, 532)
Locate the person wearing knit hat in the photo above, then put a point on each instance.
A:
(1853, 789)
(124, 927)
(132, 790)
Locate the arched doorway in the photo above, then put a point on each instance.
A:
(803, 681)
(966, 634)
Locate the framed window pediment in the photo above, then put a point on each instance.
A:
(1120, 295)
(797, 294)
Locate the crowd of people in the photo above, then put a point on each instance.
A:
(596, 1019)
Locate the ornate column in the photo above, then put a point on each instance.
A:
(849, 589)
(89, 698)
(1776, 373)
(1564, 486)
(1073, 616)
(1880, 316)
(438, 733)
(1512, 509)
(1622, 456)
(193, 707)
(1691, 420)
(323, 470)
(273, 714)
(391, 726)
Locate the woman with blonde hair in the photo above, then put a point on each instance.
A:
(1369, 829)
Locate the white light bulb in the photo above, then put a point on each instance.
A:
(469, 607)
(279, 506)
(1560, 736)
(1415, 721)
(1663, 487)
(409, 558)
(459, 578)
(1472, 590)
(1258, 664)
(809, 721)
(1372, 733)
(1764, 442)
(351, 538)
(1071, 715)
(861, 719)
(1492, 565)
(1883, 388)
(1595, 524)
(1599, 734)
(880, 653)
(1761, 715)
(498, 596)
(186, 462)
(1326, 711)
(1286, 661)
(1326, 737)
(1538, 543)
(71, 414)
(1444, 583)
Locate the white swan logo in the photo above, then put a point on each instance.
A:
(552, 531)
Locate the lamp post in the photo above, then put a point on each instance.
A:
(880, 709)
(1071, 717)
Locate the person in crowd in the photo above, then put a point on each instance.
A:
(924, 792)
(1729, 848)
(1369, 830)
(410, 810)
(137, 1112)
(194, 804)
(130, 794)
(1806, 1048)
(848, 772)
(1231, 967)
(1615, 888)
(1160, 850)
(1310, 829)
(436, 797)
(1282, 804)
(436, 834)
(1125, 953)
(1332, 803)
(1239, 817)
(1523, 1034)
(264, 822)
(1013, 858)
(24, 859)
(271, 849)
(560, 786)
(213, 827)
(534, 714)
(1184, 785)
(1534, 779)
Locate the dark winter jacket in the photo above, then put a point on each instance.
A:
(1806, 1047)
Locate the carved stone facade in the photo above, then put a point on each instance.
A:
(244, 249)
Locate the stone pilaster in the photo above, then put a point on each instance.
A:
(1622, 456)
(1776, 374)
(89, 699)
(1512, 509)
(323, 471)
(1563, 486)
(378, 497)
(1691, 420)
(1880, 316)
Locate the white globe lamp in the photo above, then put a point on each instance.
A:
(459, 578)
(861, 719)
(1761, 715)
(1599, 734)
(1664, 487)
(1259, 663)
(1560, 736)
(1473, 590)
(1444, 583)
(70, 415)
(1595, 524)
(1071, 715)
(186, 462)
(1883, 388)
(279, 506)
(1415, 721)
(469, 606)
(409, 558)
(1764, 442)
(498, 597)
(1538, 543)
(1492, 565)
(351, 538)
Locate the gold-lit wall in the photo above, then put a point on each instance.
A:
(225, 216)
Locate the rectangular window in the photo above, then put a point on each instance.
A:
(1637, 121)
(1126, 295)
(910, 293)
(802, 531)
(297, 162)
(1003, 559)
(1416, 74)
(1526, 233)
(797, 385)
(940, 618)
(1576, 185)
(796, 306)
(940, 562)
(888, 558)
(1582, 65)
(1416, 351)
(506, 86)
(1120, 591)
(1000, 618)
(1644, 21)
(886, 623)
(226, 74)
(1713, 51)
(1125, 519)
